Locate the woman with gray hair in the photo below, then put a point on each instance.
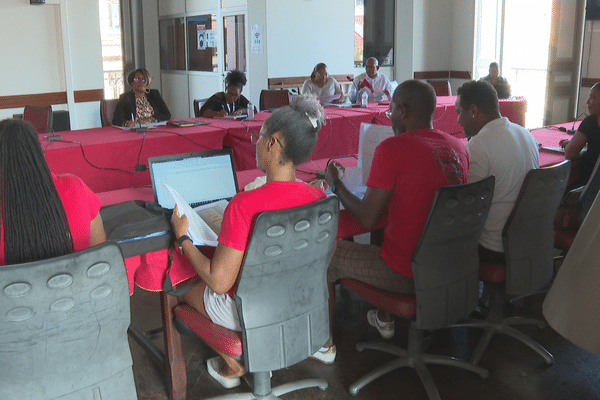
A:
(286, 139)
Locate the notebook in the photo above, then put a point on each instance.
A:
(182, 123)
(200, 178)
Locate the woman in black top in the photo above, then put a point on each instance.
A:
(588, 134)
(229, 102)
(141, 105)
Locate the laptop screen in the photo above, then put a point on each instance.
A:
(200, 178)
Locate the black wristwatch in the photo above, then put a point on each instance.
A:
(180, 242)
(334, 185)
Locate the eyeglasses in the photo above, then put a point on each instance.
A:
(388, 113)
(139, 80)
(255, 136)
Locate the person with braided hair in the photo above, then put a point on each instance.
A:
(43, 215)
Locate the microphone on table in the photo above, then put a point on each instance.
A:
(138, 128)
(348, 77)
(54, 136)
(573, 130)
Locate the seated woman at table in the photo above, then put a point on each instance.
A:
(43, 215)
(287, 139)
(321, 84)
(141, 105)
(588, 134)
(500, 84)
(229, 102)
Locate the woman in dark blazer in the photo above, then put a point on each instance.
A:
(141, 105)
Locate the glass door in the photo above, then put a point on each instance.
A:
(234, 44)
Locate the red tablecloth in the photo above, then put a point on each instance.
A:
(149, 270)
(550, 137)
(339, 136)
(105, 158)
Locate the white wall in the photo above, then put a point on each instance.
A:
(404, 41)
(433, 26)
(33, 56)
(304, 33)
(258, 63)
(83, 26)
(151, 40)
(31, 50)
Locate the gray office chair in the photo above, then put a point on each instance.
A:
(281, 296)
(63, 328)
(528, 239)
(445, 266)
(570, 219)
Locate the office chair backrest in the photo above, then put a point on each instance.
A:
(441, 87)
(528, 234)
(445, 262)
(282, 295)
(589, 193)
(198, 103)
(107, 110)
(40, 117)
(270, 99)
(63, 328)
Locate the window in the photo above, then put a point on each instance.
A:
(234, 34)
(374, 31)
(112, 52)
(172, 43)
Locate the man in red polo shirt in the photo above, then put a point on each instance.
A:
(406, 172)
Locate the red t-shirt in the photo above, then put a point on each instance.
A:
(81, 206)
(242, 211)
(414, 166)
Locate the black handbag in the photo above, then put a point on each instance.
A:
(138, 226)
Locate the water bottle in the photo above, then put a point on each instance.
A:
(364, 100)
(250, 112)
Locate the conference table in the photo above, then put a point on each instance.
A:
(149, 270)
(106, 158)
(113, 158)
(338, 136)
(341, 133)
(446, 119)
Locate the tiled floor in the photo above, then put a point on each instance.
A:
(515, 371)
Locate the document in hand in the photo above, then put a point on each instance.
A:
(204, 221)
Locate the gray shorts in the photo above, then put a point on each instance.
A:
(221, 309)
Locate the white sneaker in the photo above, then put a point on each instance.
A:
(386, 329)
(326, 357)
(212, 366)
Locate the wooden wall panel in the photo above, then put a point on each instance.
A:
(41, 99)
